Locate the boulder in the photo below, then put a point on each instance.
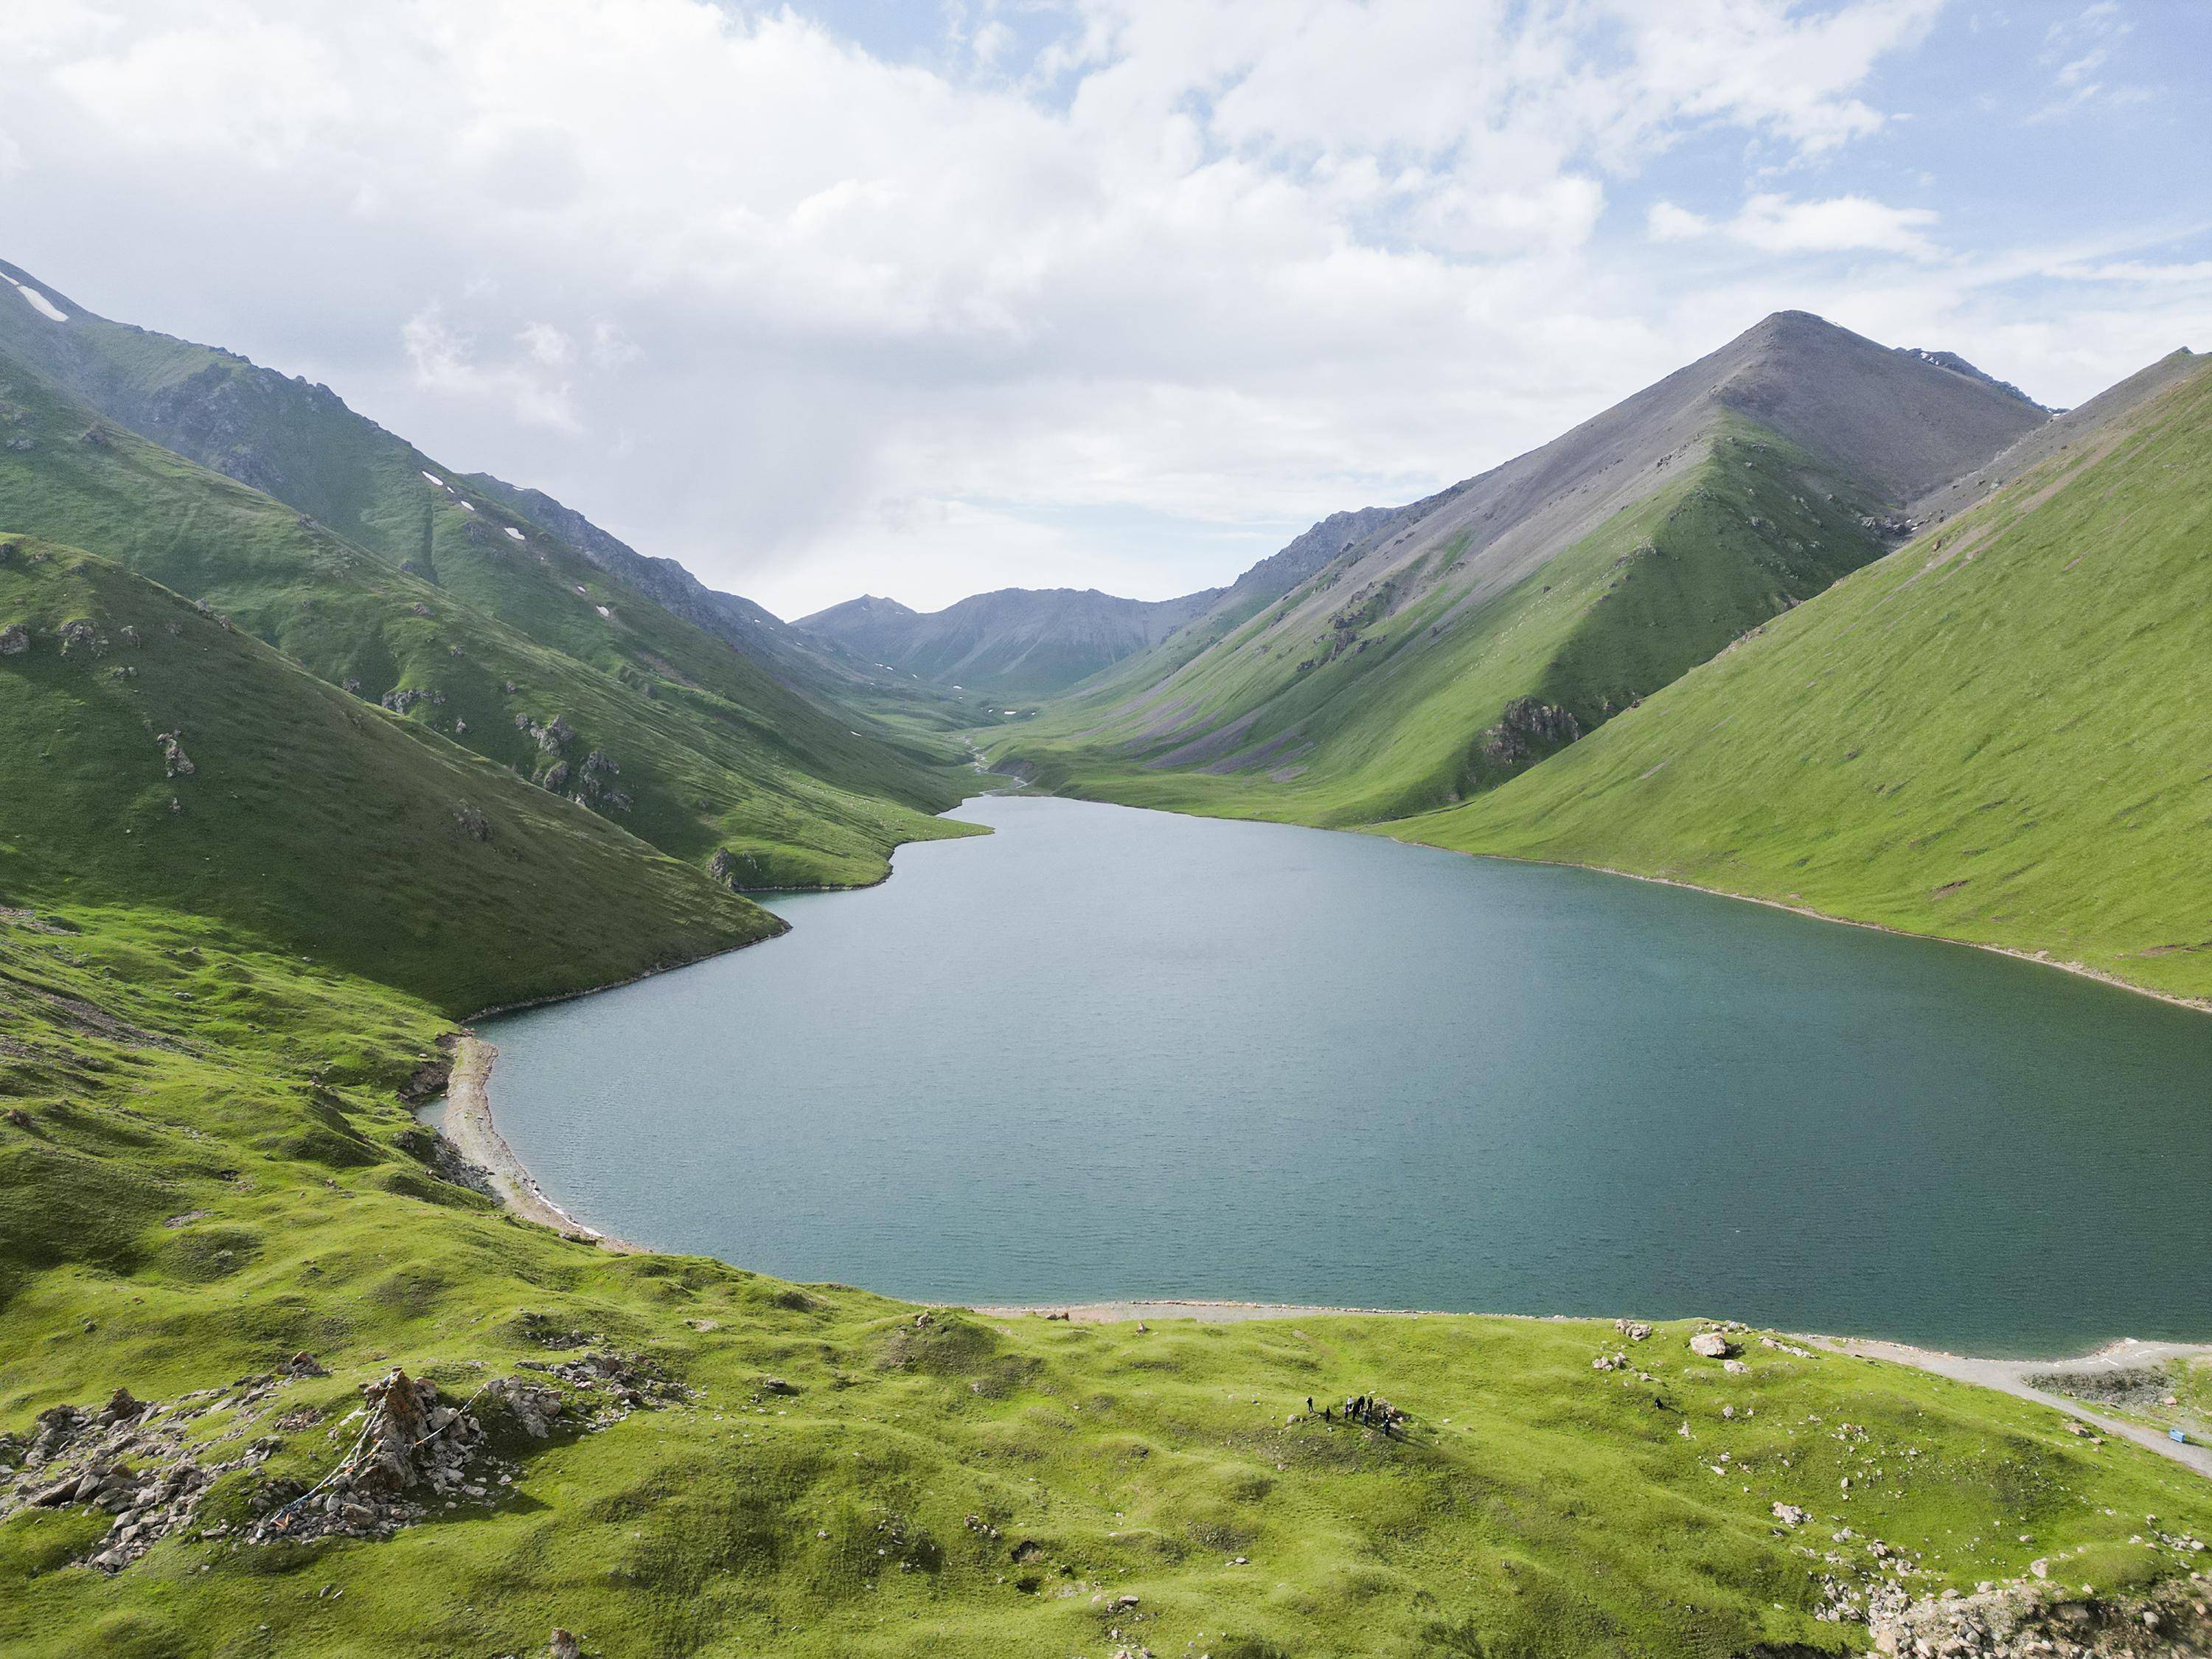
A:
(1711, 1345)
(563, 1644)
(15, 640)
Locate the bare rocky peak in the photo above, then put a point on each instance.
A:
(1894, 423)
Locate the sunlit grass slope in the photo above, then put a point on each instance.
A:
(699, 770)
(156, 756)
(1386, 711)
(970, 1486)
(2002, 733)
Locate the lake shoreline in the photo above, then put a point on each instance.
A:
(469, 1127)
(472, 1127)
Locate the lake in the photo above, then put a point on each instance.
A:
(1107, 1053)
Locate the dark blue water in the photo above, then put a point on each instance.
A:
(1108, 1053)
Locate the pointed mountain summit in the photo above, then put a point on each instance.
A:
(1454, 643)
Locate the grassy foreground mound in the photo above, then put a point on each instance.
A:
(157, 756)
(1998, 733)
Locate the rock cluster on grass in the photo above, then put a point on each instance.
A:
(2031, 1620)
(130, 1459)
(626, 1382)
(15, 640)
(179, 764)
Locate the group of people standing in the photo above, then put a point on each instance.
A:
(1370, 1410)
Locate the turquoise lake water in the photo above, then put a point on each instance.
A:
(1107, 1053)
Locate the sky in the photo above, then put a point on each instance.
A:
(922, 298)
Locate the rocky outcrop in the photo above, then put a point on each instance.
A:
(15, 640)
(1528, 730)
(551, 737)
(179, 764)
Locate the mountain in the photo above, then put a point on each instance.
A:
(1453, 643)
(1017, 642)
(816, 668)
(1997, 733)
(160, 757)
(455, 609)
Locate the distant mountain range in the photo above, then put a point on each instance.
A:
(1017, 642)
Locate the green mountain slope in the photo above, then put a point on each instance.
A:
(820, 670)
(695, 772)
(157, 757)
(301, 445)
(1456, 642)
(1998, 733)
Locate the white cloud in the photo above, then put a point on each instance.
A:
(444, 362)
(1779, 224)
(1135, 302)
(1838, 225)
(546, 344)
(1667, 223)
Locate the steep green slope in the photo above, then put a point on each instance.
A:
(204, 1171)
(1998, 733)
(1409, 694)
(1448, 645)
(157, 757)
(302, 446)
(695, 773)
(821, 671)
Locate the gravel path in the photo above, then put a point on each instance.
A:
(2010, 1377)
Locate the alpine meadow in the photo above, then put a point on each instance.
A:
(1676, 1121)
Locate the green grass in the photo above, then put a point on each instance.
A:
(1384, 714)
(713, 754)
(1999, 733)
(1540, 1508)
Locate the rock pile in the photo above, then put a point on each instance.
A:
(626, 1383)
(411, 1448)
(126, 1457)
(2038, 1621)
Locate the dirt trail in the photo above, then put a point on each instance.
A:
(2010, 1377)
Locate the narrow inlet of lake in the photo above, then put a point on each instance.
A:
(1107, 1053)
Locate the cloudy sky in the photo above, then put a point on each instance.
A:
(918, 299)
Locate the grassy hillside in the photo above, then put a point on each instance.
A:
(1395, 698)
(203, 1170)
(156, 755)
(1997, 733)
(699, 772)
